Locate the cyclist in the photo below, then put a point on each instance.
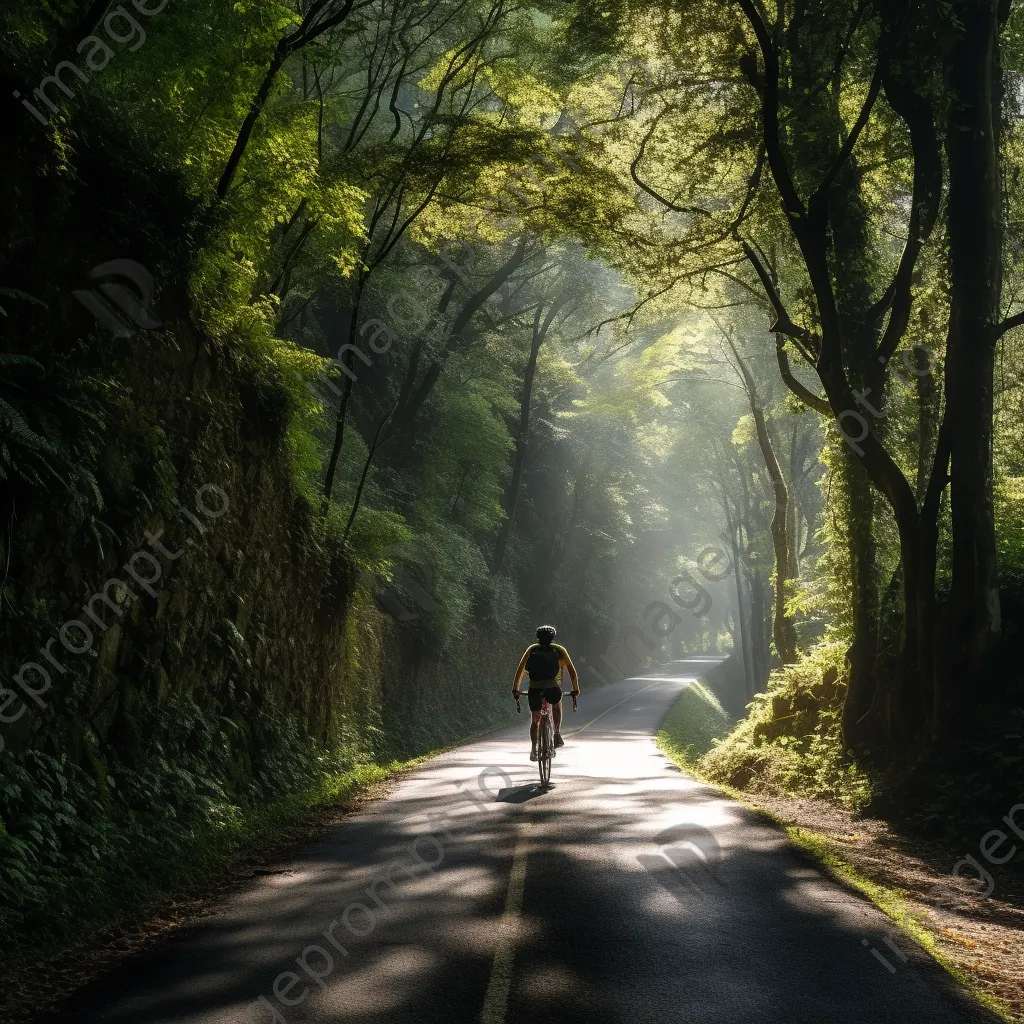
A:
(544, 662)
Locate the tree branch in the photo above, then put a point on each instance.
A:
(800, 390)
(769, 89)
(782, 324)
(916, 112)
(673, 207)
(1009, 324)
(846, 151)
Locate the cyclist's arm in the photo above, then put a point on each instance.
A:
(521, 671)
(571, 669)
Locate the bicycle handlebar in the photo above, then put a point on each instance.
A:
(565, 693)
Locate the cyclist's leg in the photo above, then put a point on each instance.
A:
(534, 698)
(555, 698)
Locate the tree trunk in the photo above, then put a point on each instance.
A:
(86, 25)
(522, 441)
(975, 244)
(314, 24)
(855, 337)
(783, 631)
(927, 418)
(560, 547)
(541, 325)
(339, 425)
(458, 491)
(339, 438)
(741, 615)
(758, 630)
(489, 287)
(759, 653)
(792, 521)
(861, 689)
(365, 473)
(258, 102)
(411, 400)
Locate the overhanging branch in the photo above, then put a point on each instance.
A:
(1009, 324)
(808, 397)
(667, 203)
(846, 151)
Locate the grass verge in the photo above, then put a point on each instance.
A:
(694, 723)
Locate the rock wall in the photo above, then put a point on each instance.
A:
(206, 575)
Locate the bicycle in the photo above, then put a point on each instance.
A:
(546, 737)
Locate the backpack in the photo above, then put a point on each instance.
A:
(543, 663)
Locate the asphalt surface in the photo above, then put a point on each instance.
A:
(625, 893)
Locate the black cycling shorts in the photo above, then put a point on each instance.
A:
(553, 694)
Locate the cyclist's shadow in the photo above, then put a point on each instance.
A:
(520, 794)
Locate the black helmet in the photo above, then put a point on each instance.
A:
(545, 634)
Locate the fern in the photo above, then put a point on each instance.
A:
(17, 293)
(47, 439)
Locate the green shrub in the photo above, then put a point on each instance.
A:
(791, 740)
(80, 851)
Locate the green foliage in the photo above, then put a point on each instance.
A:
(790, 741)
(404, 133)
(81, 851)
(470, 445)
(1009, 509)
(376, 535)
(463, 704)
(48, 438)
(962, 792)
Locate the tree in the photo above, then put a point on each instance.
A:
(547, 309)
(783, 631)
(971, 619)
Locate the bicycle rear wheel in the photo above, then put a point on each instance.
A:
(545, 747)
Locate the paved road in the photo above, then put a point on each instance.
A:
(626, 893)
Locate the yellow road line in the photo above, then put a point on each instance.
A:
(496, 1000)
(576, 732)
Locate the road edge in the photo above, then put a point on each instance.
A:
(828, 856)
